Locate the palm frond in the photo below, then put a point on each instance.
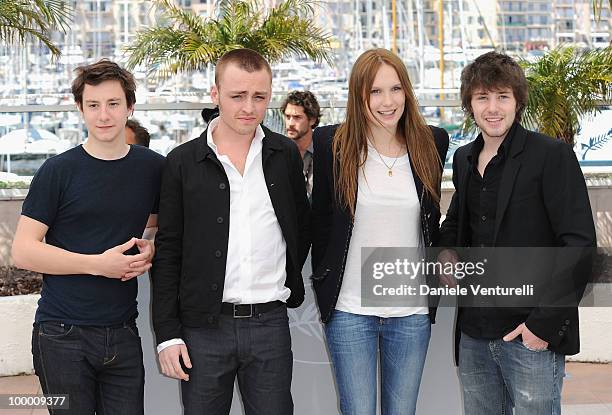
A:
(564, 86)
(184, 42)
(35, 19)
(596, 143)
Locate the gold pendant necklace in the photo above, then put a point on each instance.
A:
(389, 168)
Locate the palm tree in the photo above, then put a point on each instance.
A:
(597, 6)
(564, 86)
(186, 42)
(22, 19)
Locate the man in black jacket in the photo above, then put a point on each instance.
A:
(233, 236)
(517, 188)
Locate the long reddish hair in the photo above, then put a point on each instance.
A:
(350, 142)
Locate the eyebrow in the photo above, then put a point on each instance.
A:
(110, 99)
(380, 87)
(246, 92)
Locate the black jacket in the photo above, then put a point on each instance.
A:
(188, 271)
(332, 225)
(542, 202)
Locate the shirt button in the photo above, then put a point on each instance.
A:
(567, 321)
(219, 219)
(483, 218)
(214, 287)
(210, 319)
(222, 186)
(218, 253)
(484, 189)
(561, 333)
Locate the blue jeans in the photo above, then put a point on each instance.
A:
(498, 376)
(99, 368)
(354, 342)
(255, 350)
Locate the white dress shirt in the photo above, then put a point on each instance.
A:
(256, 253)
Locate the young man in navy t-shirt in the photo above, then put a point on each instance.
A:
(80, 226)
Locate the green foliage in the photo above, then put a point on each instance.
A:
(14, 185)
(565, 85)
(597, 6)
(184, 42)
(22, 19)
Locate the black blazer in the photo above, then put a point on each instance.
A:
(188, 271)
(542, 202)
(332, 224)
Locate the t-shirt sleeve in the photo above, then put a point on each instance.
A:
(42, 201)
(155, 209)
(159, 167)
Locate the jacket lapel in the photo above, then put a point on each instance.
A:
(417, 181)
(275, 171)
(511, 169)
(202, 148)
(462, 183)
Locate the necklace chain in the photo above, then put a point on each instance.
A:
(389, 168)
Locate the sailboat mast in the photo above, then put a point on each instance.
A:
(441, 42)
(394, 26)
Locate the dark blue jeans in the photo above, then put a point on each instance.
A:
(100, 368)
(504, 378)
(256, 350)
(356, 343)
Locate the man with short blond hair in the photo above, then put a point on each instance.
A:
(233, 236)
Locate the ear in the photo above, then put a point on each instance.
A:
(312, 123)
(214, 94)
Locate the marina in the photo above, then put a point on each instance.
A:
(435, 39)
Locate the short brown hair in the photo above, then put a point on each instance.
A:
(141, 134)
(492, 71)
(103, 70)
(245, 59)
(306, 100)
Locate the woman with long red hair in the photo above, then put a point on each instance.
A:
(376, 184)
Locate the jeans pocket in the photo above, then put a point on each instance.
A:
(519, 341)
(132, 329)
(272, 319)
(54, 330)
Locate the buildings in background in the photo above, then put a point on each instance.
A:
(102, 27)
(426, 31)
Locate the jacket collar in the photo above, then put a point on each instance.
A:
(512, 145)
(203, 150)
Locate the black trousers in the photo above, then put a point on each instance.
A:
(256, 350)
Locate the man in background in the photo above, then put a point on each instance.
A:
(135, 133)
(302, 114)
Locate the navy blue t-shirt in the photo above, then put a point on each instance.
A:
(91, 205)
